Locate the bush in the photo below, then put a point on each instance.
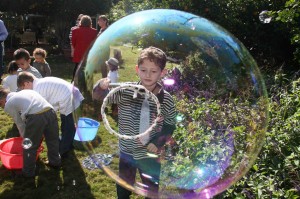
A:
(276, 173)
(222, 124)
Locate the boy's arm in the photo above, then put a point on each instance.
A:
(4, 33)
(48, 70)
(73, 38)
(100, 89)
(168, 124)
(17, 118)
(161, 138)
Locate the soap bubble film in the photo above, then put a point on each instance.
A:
(26, 143)
(219, 95)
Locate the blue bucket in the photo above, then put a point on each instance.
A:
(86, 129)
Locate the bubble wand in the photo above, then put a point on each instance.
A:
(137, 89)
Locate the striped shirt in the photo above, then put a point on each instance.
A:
(62, 95)
(70, 34)
(129, 119)
(19, 104)
(31, 70)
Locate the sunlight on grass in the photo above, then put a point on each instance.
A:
(88, 183)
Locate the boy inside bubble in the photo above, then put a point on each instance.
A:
(135, 117)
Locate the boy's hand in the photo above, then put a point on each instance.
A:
(152, 148)
(104, 83)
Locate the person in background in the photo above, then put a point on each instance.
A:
(103, 23)
(3, 36)
(97, 94)
(40, 62)
(22, 58)
(113, 76)
(70, 35)
(82, 38)
(35, 119)
(63, 96)
(10, 81)
(113, 65)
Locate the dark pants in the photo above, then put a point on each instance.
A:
(74, 71)
(147, 167)
(67, 133)
(104, 70)
(38, 125)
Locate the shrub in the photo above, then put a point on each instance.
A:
(276, 173)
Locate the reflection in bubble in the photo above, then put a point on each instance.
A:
(265, 17)
(219, 95)
(26, 144)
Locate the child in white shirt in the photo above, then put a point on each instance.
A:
(113, 75)
(10, 81)
(113, 65)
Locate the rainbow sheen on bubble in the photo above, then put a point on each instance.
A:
(219, 95)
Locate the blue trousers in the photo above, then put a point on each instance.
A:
(67, 133)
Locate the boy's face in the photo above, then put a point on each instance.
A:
(23, 63)
(27, 85)
(38, 59)
(149, 74)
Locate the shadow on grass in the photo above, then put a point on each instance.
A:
(69, 182)
(61, 67)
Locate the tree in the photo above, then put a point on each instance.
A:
(240, 17)
(61, 13)
(290, 15)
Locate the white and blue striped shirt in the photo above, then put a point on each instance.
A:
(129, 119)
(62, 95)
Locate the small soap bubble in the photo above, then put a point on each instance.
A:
(265, 17)
(26, 144)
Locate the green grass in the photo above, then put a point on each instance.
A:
(60, 184)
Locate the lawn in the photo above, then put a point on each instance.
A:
(73, 180)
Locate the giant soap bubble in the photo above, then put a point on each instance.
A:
(220, 101)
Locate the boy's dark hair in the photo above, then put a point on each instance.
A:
(3, 93)
(155, 55)
(24, 77)
(21, 53)
(12, 66)
(40, 51)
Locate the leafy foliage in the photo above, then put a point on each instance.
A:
(291, 16)
(276, 173)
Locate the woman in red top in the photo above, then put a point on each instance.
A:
(82, 38)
